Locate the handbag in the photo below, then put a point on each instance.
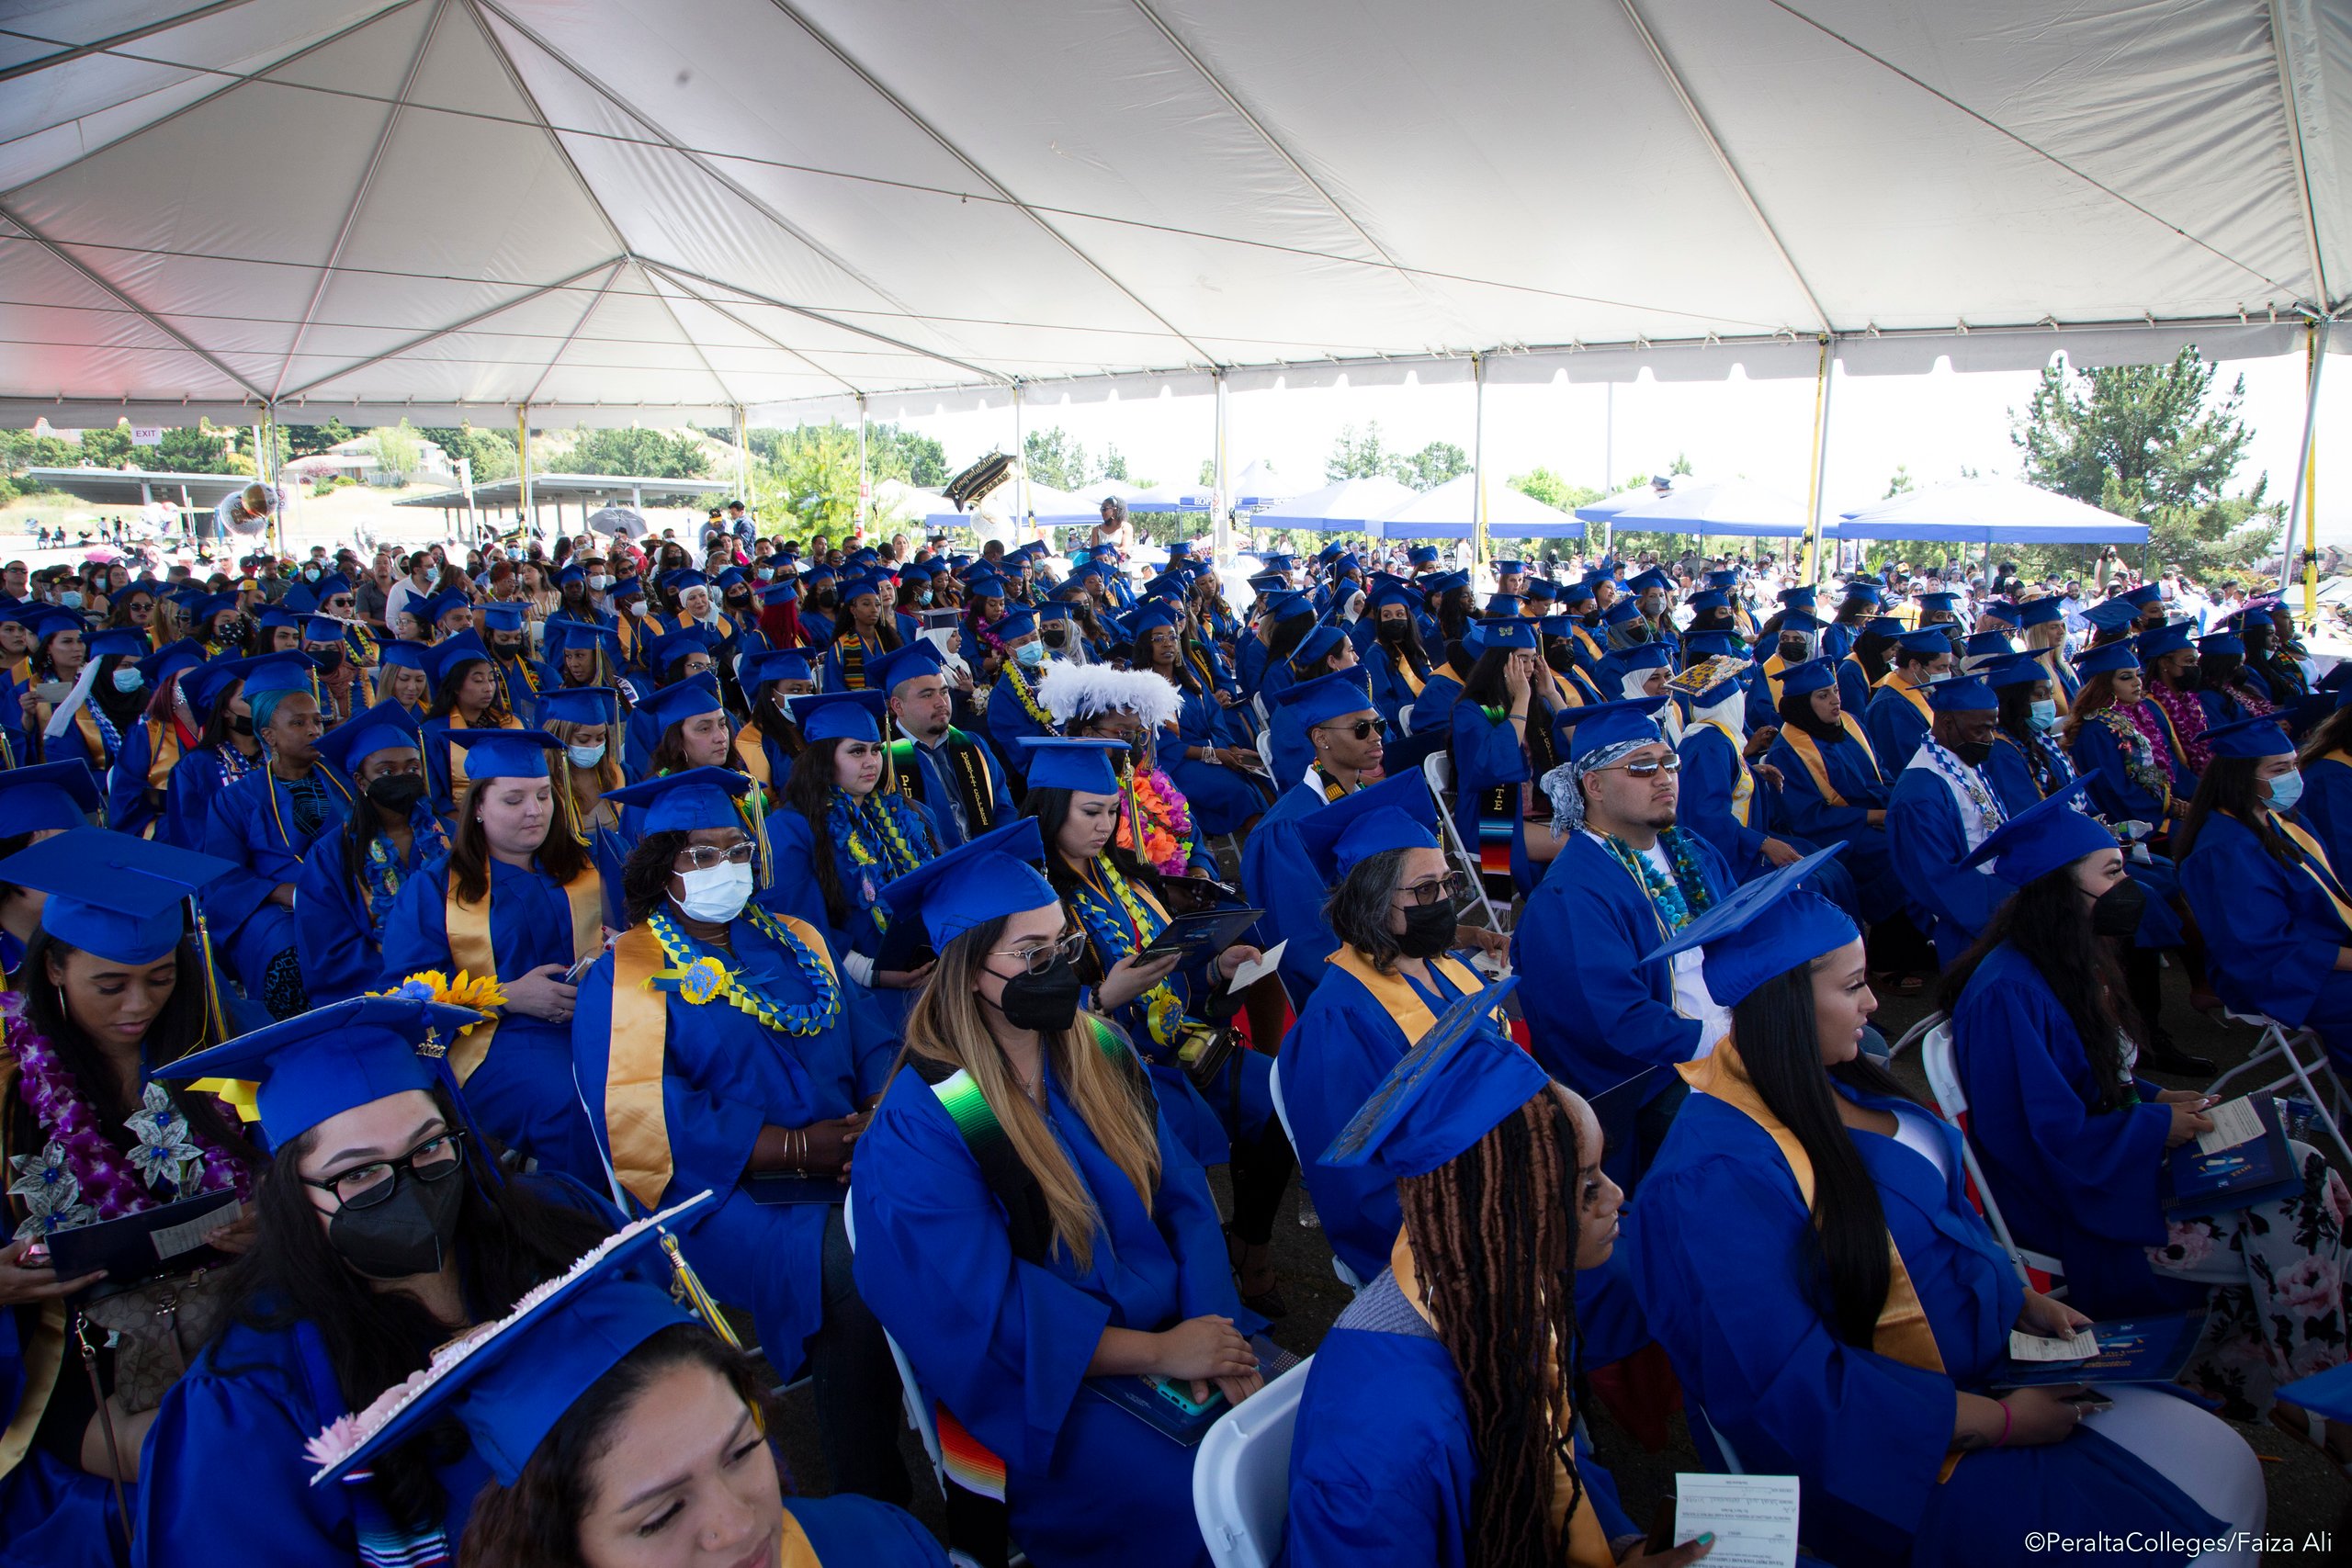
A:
(158, 1326)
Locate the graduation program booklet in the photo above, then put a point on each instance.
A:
(2237, 1177)
(1753, 1517)
(2137, 1350)
(140, 1246)
(1200, 937)
(1166, 1405)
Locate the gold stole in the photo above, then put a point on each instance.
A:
(625, 627)
(1912, 694)
(795, 1550)
(1809, 753)
(467, 928)
(1592, 649)
(2315, 865)
(163, 752)
(1903, 1332)
(1588, 1545)
(44, 1352)
(1405, 673)
(1396, 994)
(637, 1127)
(1772, 671)
(1742, 793)
(2049, 657)
(751, 749)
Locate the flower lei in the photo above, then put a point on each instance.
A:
(899, 857)
(1166, 816)
(2139, 754)
(79, 1176)
(698, 979)
(1163, 1010)
(1685, 896)
(1028, 701)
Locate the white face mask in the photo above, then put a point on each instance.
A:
(637, 606)
(585, 756)
(716, 894)
(600, 581)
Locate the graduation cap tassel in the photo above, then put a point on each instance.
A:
(691, 1293)
(216, 1019)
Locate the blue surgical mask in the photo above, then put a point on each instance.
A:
(585, 756)
(127, 678)
(923, 597)
(2285, 790)
(70, 599)
(1031, 654)
(2044, 714)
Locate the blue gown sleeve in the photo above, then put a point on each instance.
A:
(222, 1442)
(126, 782)
(2327, 806)
(2239, 895)
(1487, 751)
(416, 931)
(1276, 876)
(229, 832)
(1925, 835)
(1710, 775)
(1802, 802)
(338, 952)
(1341, 1050)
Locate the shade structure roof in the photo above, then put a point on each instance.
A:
(577, 487)
(618, 211)
(131, 487)
(1450, 512)
(1734, 508)
(1990, 511)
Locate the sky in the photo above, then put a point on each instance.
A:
(1935, 426)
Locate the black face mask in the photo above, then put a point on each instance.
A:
(408, 1232)
(1637, 633)
(240, 724)
(2117, 911)
(1793, 652)
(330, 659)
(1046, 1003)
(1973, 752)
(397, 793)
(1428, 931)
(1393, 631)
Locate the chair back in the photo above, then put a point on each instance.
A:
(1241, 1475)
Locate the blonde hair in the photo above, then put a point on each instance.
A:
(945, 1025)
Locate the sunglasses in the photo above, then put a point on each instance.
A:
(1362, 728)
(1668, 764)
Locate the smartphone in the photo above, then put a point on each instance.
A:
(2090, 1399)
(1178, 1391)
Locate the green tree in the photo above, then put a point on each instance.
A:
(199, 451)
(1357, 457)
(1114, 464)
(894, 452)
(107, 446)
(1431, 466)
(1900, 484)
(637, 454)
(1208, 470)
(309, 440)
(398, 450)
(1553, 490)
(491, 452)
(1053, 458)
(21, 449)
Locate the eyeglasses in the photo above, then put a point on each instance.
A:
(703, 857)
(1669, 764)
(1362, 728)
(1064, 949)
(1436, 890)
(365, 1186)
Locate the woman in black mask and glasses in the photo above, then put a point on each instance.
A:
(1025, 1220)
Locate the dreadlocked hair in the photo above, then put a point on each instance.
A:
(1494, 1244)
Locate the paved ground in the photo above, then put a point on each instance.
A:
(2307, 1498)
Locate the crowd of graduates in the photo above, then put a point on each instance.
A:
(533, 982)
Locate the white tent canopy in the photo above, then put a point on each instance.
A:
(1257, 485)
(1995, 511)
(1450, 512)
(1734, 508)
(1343, 506)
(636, 211)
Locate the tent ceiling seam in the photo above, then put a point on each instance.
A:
(671, 310)
(1998, 129)
(1724, 158)
(565, 346)
(68, 52)
(457, 326)
(698, 296)
(359, 194)
(2292, 102)
(678, 274)
(235, 80)
(953, 150)
(99, 279)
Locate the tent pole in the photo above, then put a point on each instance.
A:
(1020, 448)
(2306, 470)
(1820, 462)
(522, 465)
(1479, 460)
(1221, 501)
(865, 475)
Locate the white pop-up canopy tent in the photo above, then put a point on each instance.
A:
(1990, 511)
(635, 211)
(1734, 508)
(1340, 507)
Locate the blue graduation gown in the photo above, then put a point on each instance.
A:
(1489, 755)
(2011, 774)
(1856, 780)
(1724, 1264)
(522, 1093)
(832, 673)
(725, 1076)
(2327, 806)
(2114, 793)
(1009, 722)
(1928, 840)
(1004, 1344)
(1609, 1017)
(339, 932)
(938, 787)
(1853, 685)
(1895, 726)
(188, 797)
(1712, 770)
(2079, 1185)
(251, 825)
(129, 808)
(1433, 710)
(1391, 694)
(1249, 664)
(2271, 932)
(1276, 876)
(1384, 1467)
(849, 1532)
(1222, 799)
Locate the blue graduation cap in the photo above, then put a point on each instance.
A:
(1988, 645)
(2002, 610)
(387, 726)
(1423, 554)
(571, 574)
(848, 715)
(1539, 588)
(506, 753)
(1451, 1090)
(324, 1062)
(514, 1381)
(1621, 611)
(2108, 658)
(441, 604)
(1727, 579)
(757, 669)
(1280, 562)
(205, 611)
(1736, 680)
(1446, 582)
(683, 801)
(1643, 656)
(1648, 579)
(272, 673)
(2261, 736)
(2172, 638)
(1962, 693)
(2113, 615)
(1804, 622)
(1885, 626)
(862, 587)
(1395, 593)
(1924, 642)
(502, 616)
(563, 635)
(401, 654)
(918, 658)
(443, 658)
(1709, 599)
(577, 705)
(784, 591)
(1868, 593)
(2147, 594)
(119, 642)
(1019, 621)
(625, 588)
(1803, 598)
(1943, 600)
(1326, 697)
(980, 584)
(1284, 604)
(1318, 645)
(333, 585)
(2042, 612)
(1152, 617)
(2222, 644)
(1578, 593)
(1601, 724)
(679, 581)
(324, 630)
(683, 700)
(1708, 644)
(61, 795)
(1765, 928)
(110, 894)
(1056, 762)
(207, 683)
(1503, 605)
(1395, 813)
(1510, 569)
(978, 881)
(2013, 670)
(2045, 836)
(1814, 675)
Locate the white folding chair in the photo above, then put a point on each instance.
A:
(1437, 771)
(2280, 1045)
(1241, 1475)
(1916, 1032)
(911, 1397)
(1266, 752)
(1405, 721)
(1937, 1056)
(1347, 1276)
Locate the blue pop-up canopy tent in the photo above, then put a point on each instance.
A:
(1734, 508)
(1989, 512)
(1450, 512)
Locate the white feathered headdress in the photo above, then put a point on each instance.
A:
(1082, 691)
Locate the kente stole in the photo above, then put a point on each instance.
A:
(468, 927)
(1808, 751)
(975, 780)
